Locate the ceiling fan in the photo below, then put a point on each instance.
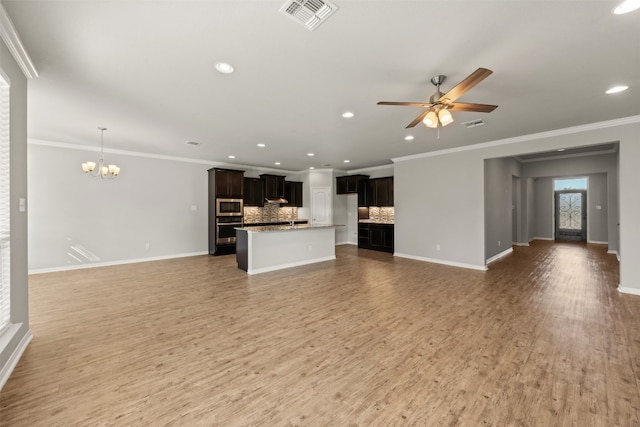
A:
(437, 109)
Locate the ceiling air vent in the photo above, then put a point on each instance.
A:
(310, 13)
(473, 123)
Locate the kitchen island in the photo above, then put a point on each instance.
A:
(268, 248)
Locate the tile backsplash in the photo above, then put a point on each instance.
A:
(269, 213)
(384, 214)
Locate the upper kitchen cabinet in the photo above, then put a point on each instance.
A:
(273, 186)
(228, 182)
(253, 192)
(293, 193)
(349, 184)
(380, 191)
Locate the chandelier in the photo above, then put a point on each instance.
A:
(103, 171)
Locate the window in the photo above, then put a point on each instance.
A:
(570, 184)
(5, 273)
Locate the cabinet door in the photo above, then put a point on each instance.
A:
(352, 183)
(273, 186)
(293, 193)
(376, 237)
(228, 183)
(363, 193)
(387, 232)
(363, 236)
(341, 185)
(235, 184)
(253, 192)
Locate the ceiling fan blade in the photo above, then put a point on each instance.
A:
(461, 88)
(465, 106)
(417, 119)
(410, 104)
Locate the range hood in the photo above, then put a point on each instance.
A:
(277, 200)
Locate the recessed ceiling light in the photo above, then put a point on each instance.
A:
(560, 149)
(408, 138)
(277, 163)
(310, 154)
(347, 161)
(617, 89)
(347, 114)
(626, 6)
(261, 145)
(232, 157)
(225, 68)
(311, 167)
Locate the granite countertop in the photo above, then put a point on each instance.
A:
(270, 223)
(267, 228)
(373, 221)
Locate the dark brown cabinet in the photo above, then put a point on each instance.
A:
(253, 192)
(349, 184)
(380, 192)
(273, 186)
(293, 193)
(228, 182)
(224, 184)
(378, 237)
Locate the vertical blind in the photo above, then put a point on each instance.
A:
(5, 226)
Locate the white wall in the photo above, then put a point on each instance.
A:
(79, 220)
(629, 213)
(498, 180)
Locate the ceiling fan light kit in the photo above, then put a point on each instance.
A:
(437, 112)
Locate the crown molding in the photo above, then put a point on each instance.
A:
(11, 38)
(209, 163)
(531, 137)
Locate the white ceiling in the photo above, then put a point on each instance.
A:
(145, 70)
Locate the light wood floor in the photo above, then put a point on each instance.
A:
(542, 338)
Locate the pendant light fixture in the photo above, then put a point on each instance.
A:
(103, 171)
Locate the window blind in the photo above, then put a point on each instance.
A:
(5, 225)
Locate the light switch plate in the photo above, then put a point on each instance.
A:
(22, 204)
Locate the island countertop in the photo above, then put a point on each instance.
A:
(271, 228)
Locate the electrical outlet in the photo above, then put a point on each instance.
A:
(146, 245)
(437, 247)
(498, 242)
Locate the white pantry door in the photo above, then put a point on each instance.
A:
(321, 209)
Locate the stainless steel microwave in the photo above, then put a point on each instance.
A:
(229, 207)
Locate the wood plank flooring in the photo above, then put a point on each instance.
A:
(543, 338)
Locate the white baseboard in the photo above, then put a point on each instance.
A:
(346, 243)
(595, 242)
(521, 244)
(627, 290)
(500, 255)
(614, 253)
(14, 358)
(542, 238)
(110, 263)
(440, 261)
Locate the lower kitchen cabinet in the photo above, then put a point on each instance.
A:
(377, 237)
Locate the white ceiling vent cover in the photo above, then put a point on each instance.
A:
(310, 13)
